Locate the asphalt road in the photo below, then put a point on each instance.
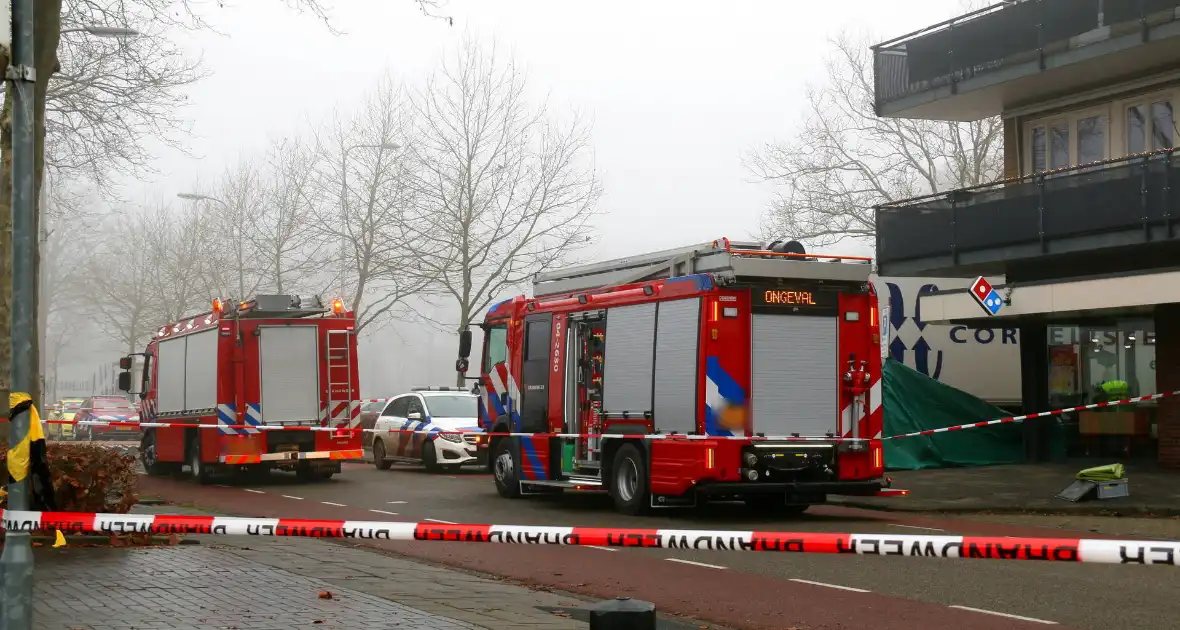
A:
(744, 590)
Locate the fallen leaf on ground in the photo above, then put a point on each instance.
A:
(319, 621)
(325, 594)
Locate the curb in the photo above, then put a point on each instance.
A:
(1079, 510)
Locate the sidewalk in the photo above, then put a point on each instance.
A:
(250, 583)
(1024, 488)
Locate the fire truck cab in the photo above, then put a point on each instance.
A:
(722, 371)
(272, 361)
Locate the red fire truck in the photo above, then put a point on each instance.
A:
(714, 351)
(271, 360)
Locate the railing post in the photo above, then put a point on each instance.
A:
(1041, 212)
(1143, 199)
(1167, 193)
(1144, 31)
(954, 227)
(1040, 35)
(950, 57)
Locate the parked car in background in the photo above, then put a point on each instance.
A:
(368, 419)
(64, 409)
(428, 412)
(109, 409)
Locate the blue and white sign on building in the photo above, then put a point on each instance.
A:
(986, 296)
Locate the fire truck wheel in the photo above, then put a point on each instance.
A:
(379, 459)
(147, 455)
(198, 470)
(430, 457)
(504, 469)
(628, 481)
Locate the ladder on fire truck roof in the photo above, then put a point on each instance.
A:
(724, 259)
(276, 307)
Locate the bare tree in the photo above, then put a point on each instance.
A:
(282, 230)
(845, 160)
(375, 197)
(119, 279)
(503, 190)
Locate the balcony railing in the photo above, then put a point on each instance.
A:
(1004, 34)
(1140, 192)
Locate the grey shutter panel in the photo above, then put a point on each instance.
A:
(795, 376)
(628, 358)
(677, 342)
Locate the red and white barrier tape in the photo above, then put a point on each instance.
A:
(975, 547)
(631, 436)
(1031, 416)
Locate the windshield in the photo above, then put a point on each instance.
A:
(113, 405)
(72, 404)
(451, 406)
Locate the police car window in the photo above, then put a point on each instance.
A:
(397, 407)
(415, 405)
(497, 347)
(452, 406)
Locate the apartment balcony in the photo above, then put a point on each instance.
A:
(1125, 213)
(1015, 54)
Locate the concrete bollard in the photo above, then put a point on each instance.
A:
(623, 613)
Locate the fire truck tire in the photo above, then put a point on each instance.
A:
(628, 481)
(503, 466)
(198, 470)
(147, 456)
(379, 459)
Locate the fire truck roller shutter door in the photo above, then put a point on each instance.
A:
(795, 378)
(289, 362)
(170, 376)
(674, 403)
(628, 361)
(200, 370)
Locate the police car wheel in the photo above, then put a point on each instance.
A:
(430, 457)
(503, 466)
(628, 481)
(379, 459)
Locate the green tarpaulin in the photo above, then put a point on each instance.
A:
(916, 402)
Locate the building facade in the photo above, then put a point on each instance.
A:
(1085, 225)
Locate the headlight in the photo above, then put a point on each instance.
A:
(453, 437)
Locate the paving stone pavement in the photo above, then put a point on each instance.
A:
(273, 584)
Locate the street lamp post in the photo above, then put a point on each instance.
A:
(391, 146)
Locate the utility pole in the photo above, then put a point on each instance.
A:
(16, 563)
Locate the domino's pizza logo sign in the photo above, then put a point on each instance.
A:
(986, 296)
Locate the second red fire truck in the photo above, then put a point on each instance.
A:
(274, 360)
(737, 371)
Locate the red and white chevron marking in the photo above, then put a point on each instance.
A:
(1154, 552)
(352, 425)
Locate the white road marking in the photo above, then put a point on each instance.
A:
(695, 564)
(439, 520)
(601, 548)
(843, 588)
(384, 512)
(929, 529)
(396, 502)
(287, 496)
(1000, 614)
(335, 504)
(254, 491)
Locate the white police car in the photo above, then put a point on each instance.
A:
(428, 411)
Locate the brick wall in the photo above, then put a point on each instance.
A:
(1167, 378)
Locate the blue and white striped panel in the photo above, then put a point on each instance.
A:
(227, 416)
(253, 416)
